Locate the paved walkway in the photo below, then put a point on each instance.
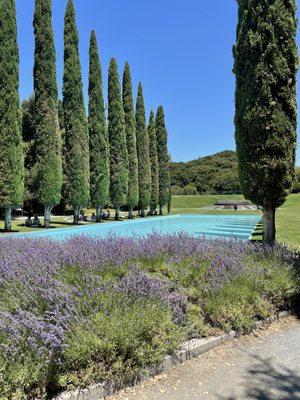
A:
(265, 365)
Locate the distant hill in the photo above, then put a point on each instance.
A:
(215, 174)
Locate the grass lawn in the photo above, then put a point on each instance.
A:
(287, 220)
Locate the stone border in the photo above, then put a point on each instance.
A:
(188, 350)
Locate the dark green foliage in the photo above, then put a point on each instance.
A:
(188, 190)
(11, 150)
(77, 142)
(153, 163)
(163, 158)
(133, 184)
(99, 152)
(266, 110)
(48, 166)
(117, 140)
(28, 133)
(143, 153)
(215, 174)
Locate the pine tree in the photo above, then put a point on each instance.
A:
(163, 159)
(48, 162)
(143, 153)
(153, 163)
(128, 105)
(76, 128)
(11, 151)
(99, 152)
(117, 141)
(266, 110)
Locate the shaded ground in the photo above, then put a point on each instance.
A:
(262, 366)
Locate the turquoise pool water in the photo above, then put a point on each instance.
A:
(228, 226)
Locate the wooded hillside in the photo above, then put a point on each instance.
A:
(212, 174)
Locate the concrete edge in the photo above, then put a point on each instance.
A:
(188, 350)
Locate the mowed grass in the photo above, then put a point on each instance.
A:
(198, 202)
(288, 221)
(287, 218)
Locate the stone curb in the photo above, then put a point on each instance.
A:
(189, 350)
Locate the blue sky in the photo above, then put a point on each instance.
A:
(180, 51)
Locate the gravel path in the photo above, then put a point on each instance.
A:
(264, 365)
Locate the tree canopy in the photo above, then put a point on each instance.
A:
(99, 150)
(266, 109)
(117, 140)
(11, 148)
(76, 128)
(128, 105)
(48, 161)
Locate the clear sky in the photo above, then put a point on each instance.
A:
(180, 50)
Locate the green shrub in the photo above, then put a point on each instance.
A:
(125, 336)
(236, 305)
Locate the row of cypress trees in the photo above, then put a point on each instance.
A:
(121, 162)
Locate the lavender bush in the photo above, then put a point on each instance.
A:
(53, 294)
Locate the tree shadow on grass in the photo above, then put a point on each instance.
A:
(265, 381)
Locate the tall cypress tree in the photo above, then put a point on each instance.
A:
(99, 152)
(266, 111)
(128, 105)
(117, 141)
(48, 165)
(76, 128)
(143, 153)
(153, 163)
(163, 159)
(11, 152)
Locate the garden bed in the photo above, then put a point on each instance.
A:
(90, 310)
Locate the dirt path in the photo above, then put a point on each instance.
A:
(264, 365)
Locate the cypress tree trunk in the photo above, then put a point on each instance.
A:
(48, 166)
(269, 233)
(266, 108)
(47, 216)
(133, 184)
(117, 214)
(76, 215)
(117, 141)
(99, 213)
(144, 173)
(98, 140)
(170, 201)
(77, 170)
(11, 147)
(7, 226)
(130, 213)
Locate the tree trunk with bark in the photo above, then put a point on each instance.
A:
(130, 213)
(76, 215)
(117, 214)
(47, 217)
(269, 226)
(161, 210)
(7, 227)
(98, 213)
